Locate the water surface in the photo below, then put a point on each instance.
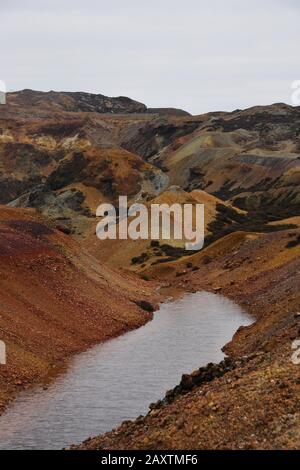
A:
(118, 380)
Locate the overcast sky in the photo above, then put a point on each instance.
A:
(193, 54)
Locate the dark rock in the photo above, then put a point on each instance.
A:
(186, 382)
(145, 305)
(69, 171)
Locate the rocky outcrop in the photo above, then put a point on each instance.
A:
(76, 102)
(249, 157)
(61, 207)
(199, 377)
(168, 111)
(149, 140)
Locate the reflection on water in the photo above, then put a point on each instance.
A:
(117, 380)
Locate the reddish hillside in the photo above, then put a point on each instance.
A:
(251, 400)
(56, 299)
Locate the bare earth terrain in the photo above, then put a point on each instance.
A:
(56, 300)
(62, 290)
(253, 401)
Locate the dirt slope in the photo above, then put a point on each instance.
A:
(63, 154)
(250, 157)
(139, 255)
(51, 141)
(55, 299)
(252, 400)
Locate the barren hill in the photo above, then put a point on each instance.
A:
(56, 299)
(50, 142)
(61, 155)
(250, 400)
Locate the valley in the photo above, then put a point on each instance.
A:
(62, 290)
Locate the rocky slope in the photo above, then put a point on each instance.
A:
(113, 146)
(250, 157)
(251, 400)
(35, 101)
(55, 299)
(52, 142)
(140, 255)
(61, 155)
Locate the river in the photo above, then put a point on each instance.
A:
(117, 380)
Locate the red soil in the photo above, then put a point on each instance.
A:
(55, 299)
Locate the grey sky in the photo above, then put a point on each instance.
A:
(194, 54)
